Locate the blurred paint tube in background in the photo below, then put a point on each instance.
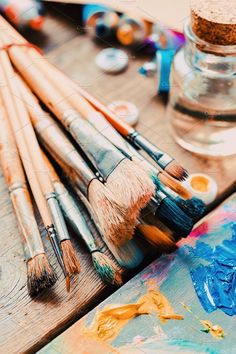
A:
(100, 22)
(160, 68)
(23, 13)
(132, 31)
(163, 38)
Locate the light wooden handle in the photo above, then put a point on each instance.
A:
(10, 160)
(9, 90)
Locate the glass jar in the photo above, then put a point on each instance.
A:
(202, 105)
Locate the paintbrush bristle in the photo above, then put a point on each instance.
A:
(174, 185)
(193, 207)
(70, 259)
(106, 268)
(157, 237)
(67, 283)
(40, 274)
(110, 215)
(132, 186)
(176, 170)
(174, 218)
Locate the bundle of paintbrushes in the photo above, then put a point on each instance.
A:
(116, 184)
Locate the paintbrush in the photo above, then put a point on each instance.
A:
(74, 96)
(39, 272)
(115, 168)
(104, 266)
(31, 175)
(23, 131)
(128, 255)
(70, 259)
(168, 212)
(110, 215)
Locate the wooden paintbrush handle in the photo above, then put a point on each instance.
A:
(15, 179)
(21, 144)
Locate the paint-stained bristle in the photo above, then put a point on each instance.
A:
(176, 171)
(40, 274)
(174, 218)
(193, 207)
(174, 185)
(110, 215)
(70, 259)
(157, 237)
(132, 186)
(106, 269)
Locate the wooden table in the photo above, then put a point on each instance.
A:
(26, 324)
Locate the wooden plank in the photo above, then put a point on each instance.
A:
(171, 274)
(151, 10)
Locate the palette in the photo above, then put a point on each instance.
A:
(170, 277)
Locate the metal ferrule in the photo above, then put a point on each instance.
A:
(160, 157)
(58, 219)
(98, 120)
(103, 155)
(56, 247)
(31, 239)
(74, 216)
(63, 150)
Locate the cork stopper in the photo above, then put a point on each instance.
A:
(214, 21)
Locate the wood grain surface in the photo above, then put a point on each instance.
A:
(25, 324)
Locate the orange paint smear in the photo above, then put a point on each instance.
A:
(109, 322)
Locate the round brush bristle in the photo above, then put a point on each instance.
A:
(193, 207)
(157, 237)
(106, 269)
(70, 259)
(174, 218)
(174, 185)
(176, 171)
(39, 274)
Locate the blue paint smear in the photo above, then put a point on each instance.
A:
(215, 283)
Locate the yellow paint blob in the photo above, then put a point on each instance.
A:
(200, 184)
(214, 330)
(108, 322)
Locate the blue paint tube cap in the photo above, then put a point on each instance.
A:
(164, 60)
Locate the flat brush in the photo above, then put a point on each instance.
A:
(168, 212)
(129, 255)
(17, 114)
(104, 266)
(109, 214)
(40, 275)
